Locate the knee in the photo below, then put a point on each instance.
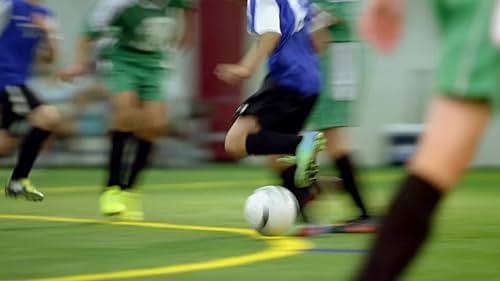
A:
(234, 144)
(153, 129)
(46, 117)
(124, 120)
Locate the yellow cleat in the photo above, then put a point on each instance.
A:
(110, 201)
(133, 206)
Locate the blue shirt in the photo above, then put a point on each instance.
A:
(19, 39)
(294, 63)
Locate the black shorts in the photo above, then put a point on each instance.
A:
(17, 102)
(277, 108)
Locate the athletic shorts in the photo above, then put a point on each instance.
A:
(469, 65)
(17, 102)
(340, 67)
(278, 109)
(132, 75)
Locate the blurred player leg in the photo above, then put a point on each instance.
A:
(468, 79)
(453, 132)
(153, 125)
(339, 153)
(123, 122)
(18, 103)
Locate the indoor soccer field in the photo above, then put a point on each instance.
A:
(194, 230)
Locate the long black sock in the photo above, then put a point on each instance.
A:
(403, 231)
(29, 152)
(347, 173)
(142, 156)
(303, 195)
(115, 164)
(267, 142)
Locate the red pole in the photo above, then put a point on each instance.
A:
(221, 41)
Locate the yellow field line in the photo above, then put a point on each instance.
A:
(279, 247)
(180, 185)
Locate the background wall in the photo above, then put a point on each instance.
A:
(396, 88)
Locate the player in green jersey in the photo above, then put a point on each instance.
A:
(146, 27)
(335, 38)
(468, 83)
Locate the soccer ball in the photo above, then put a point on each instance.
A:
(271, 210)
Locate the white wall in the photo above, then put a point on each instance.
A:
(398, 88)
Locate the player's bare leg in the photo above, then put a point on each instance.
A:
(453, 132)
(44, 120)
(153, 124)
(338, 151)
(123, 123)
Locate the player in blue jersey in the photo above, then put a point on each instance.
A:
(25, 26)
(268, 123)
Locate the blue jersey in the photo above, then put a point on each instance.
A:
(19, 39)
(294, 64)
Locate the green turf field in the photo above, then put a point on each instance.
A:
(34, 244)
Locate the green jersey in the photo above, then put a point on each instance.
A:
(345, 11)
(145, 26)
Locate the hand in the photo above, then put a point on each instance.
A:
(71, 73)
(42, 23)
(232, 73)
(381, 24)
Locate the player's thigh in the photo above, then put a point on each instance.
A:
(46, 117)
(453, 131)
(124, 111)
(336, 145)
(153, 119)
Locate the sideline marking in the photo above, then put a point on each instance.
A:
(279, 247)
(180, 185)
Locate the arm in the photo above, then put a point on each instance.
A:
(265, 45)
(321, 39)
(234, 73)
(264, 20)
(321, 22)
(381, 23)
(97, 23)
(48, 26)
(186, 39)
(80, 63)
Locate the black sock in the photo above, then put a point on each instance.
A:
(267, 142)
(30, 149)
(141, 158)
(115, 164)
(303, 195)
(403, 231)
(347, 174)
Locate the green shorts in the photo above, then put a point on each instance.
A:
(340, 86)
(469, 65)
(133, 75)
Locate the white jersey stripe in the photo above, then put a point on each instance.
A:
(264, 16)
(5, 11)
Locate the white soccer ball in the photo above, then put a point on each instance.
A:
(271, 210)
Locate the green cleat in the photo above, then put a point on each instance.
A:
(24, 188)
(133, 206)
(305, 158)
(110, 201)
